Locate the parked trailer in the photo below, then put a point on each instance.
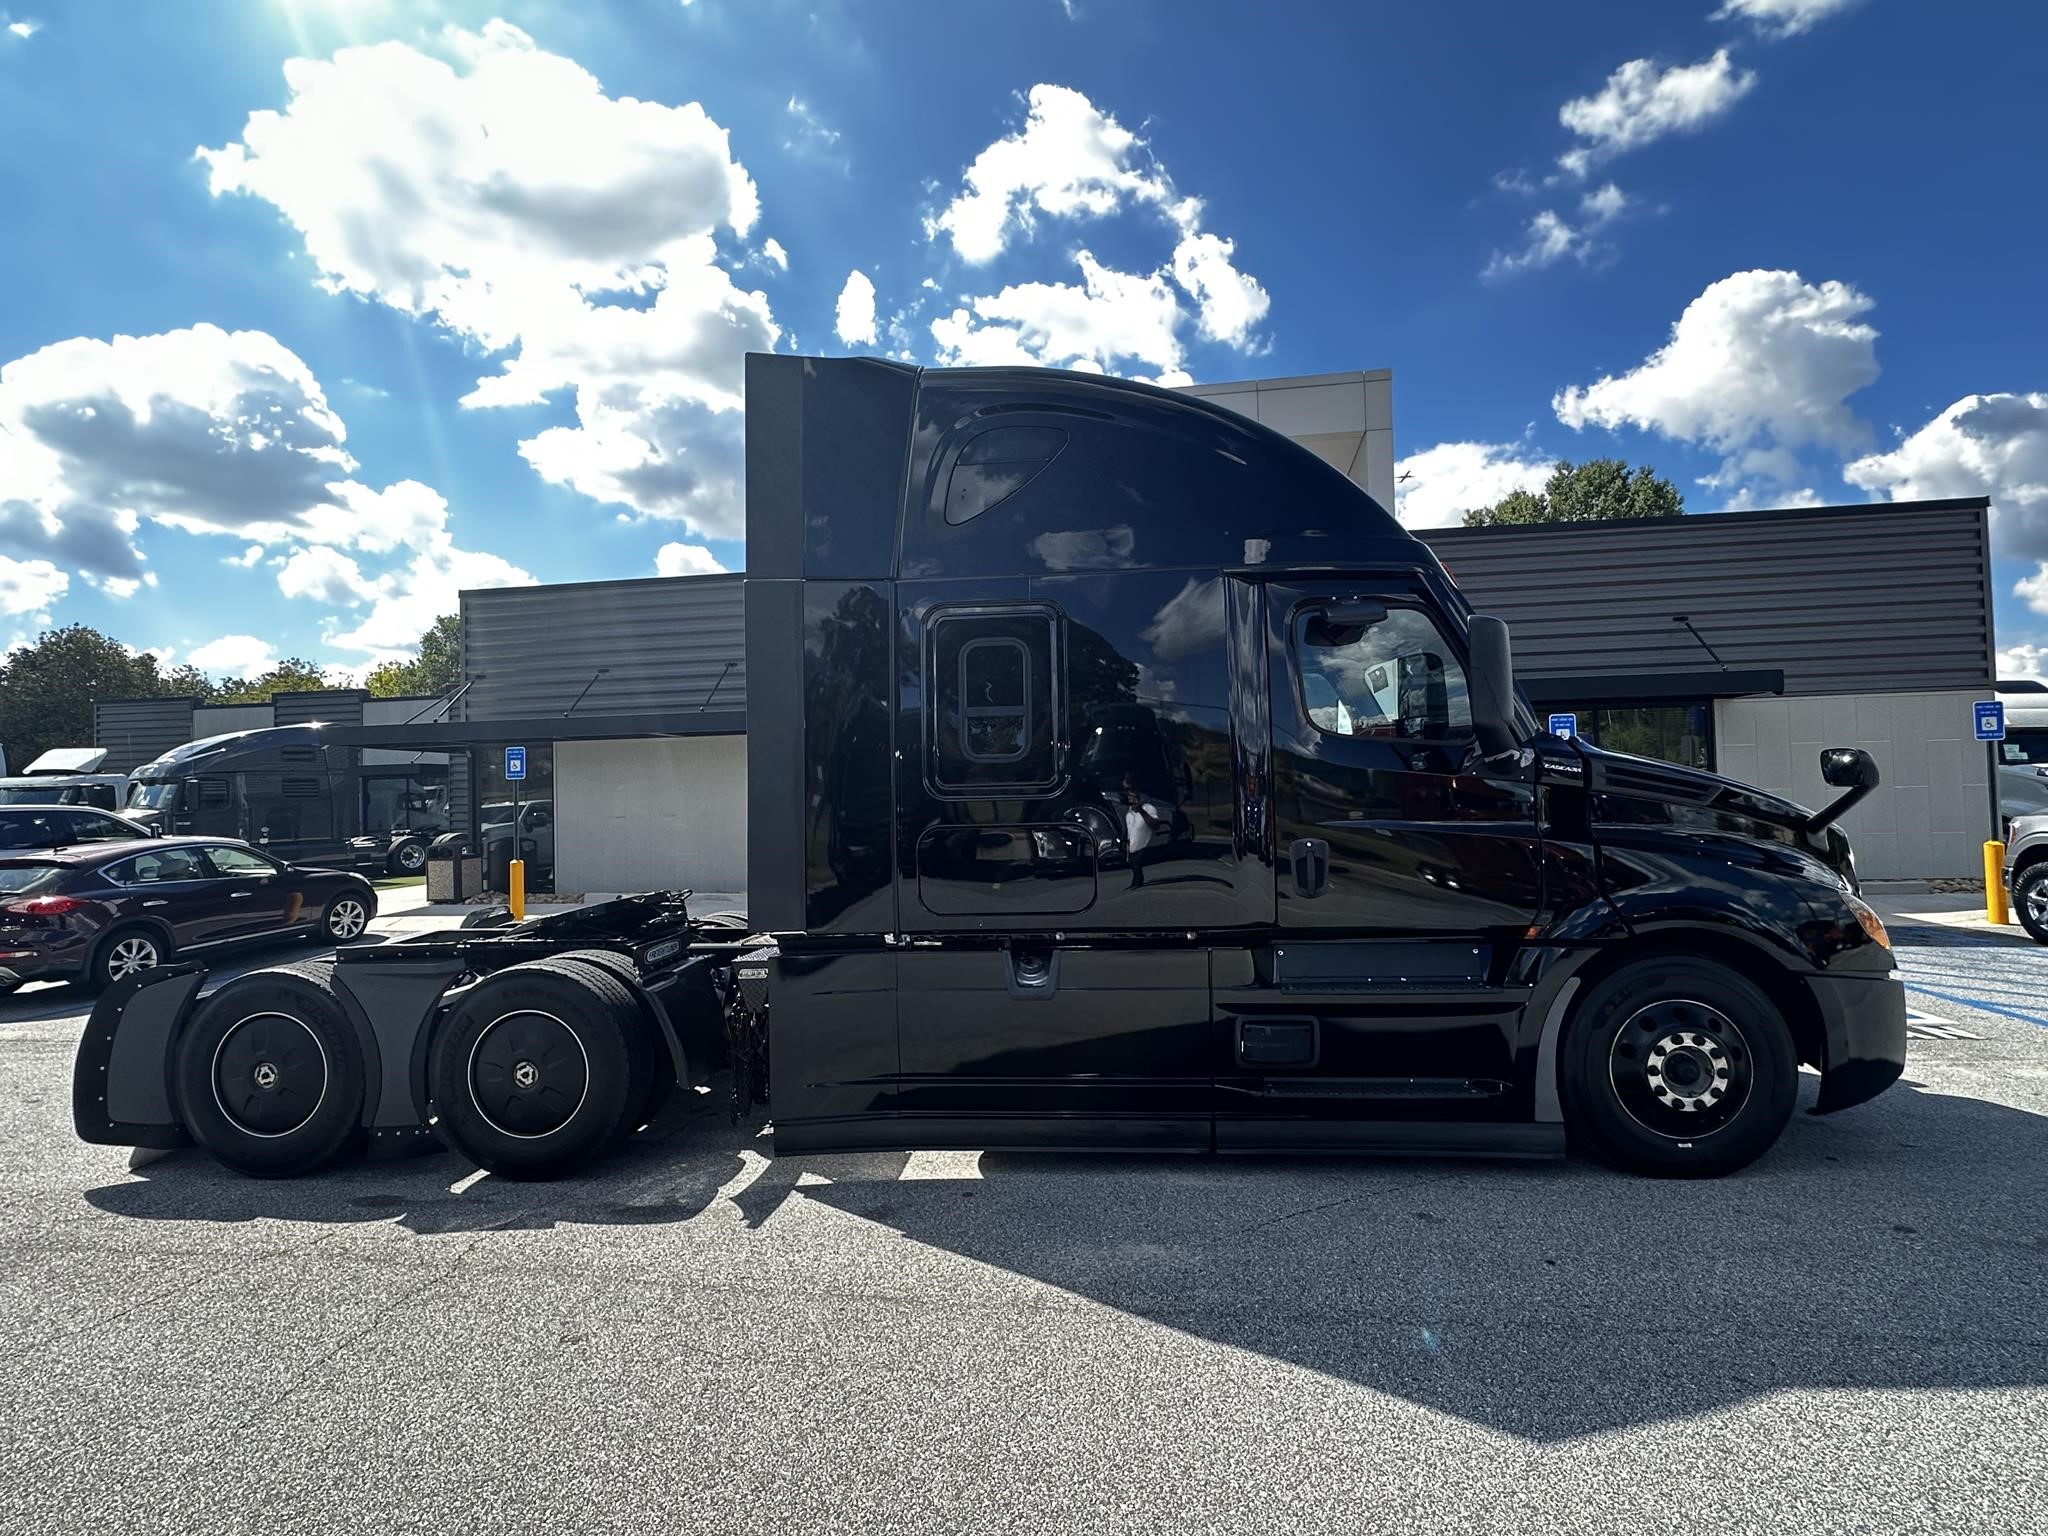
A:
(1124, 777)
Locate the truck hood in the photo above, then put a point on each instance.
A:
(1643, 778)
(1647, 778)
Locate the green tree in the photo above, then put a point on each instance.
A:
(47, 689)
(292, 675)
(1598, 490)
(436, 670)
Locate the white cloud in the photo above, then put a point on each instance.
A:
(2023, 660)
(855, 314)
(1641, 103)
(1548, 237)
(772, 249)
(1438, 486)
(685, 560)
(1228, 303)
(2034, 589)
(1760, 363)
(1069, 160)
(324, 575)
(810, 134)
(1781, 18)
(30, 586)
(1983, 445)
(497, 189)
(24, 28)
(234, 656)
(1109, 319)
(409, 599)
(246, 558)
(203, 429)
(1072, 161)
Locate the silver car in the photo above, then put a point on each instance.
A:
(2026, 874)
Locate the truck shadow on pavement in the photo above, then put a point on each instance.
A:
(1899, 1246)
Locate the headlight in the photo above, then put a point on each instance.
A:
(1871, 922)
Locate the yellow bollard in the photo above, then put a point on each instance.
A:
(1995, 910)
(518, 893)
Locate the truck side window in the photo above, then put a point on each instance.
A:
(1391, 674)
(993, 698)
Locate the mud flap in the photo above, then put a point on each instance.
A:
(121, 1082)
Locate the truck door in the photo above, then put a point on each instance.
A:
(1402, 880)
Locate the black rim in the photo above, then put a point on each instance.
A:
(1681, 1068)
(528, 1074)
(269, 1074)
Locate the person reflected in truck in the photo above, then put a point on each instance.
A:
(1143, 822)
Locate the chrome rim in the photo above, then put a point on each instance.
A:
(528, 1074)
(411, 856)
(1681, 1068)
(269, 1074)
(347, 918)
(2037, 902)
(131, 955)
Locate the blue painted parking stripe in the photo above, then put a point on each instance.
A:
(1971, 1002)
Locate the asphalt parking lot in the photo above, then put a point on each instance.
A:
(696, 1336)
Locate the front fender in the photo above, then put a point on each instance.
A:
(121, 1080)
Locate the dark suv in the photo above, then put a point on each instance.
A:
(101, 911)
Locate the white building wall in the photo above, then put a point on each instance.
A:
(1345, 419)
(1931, 813)
(651, 814)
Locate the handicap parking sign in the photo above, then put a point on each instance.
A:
(1564, 725)
(515, 762)
(1990, 715)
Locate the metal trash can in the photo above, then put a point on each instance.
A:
(498, 860)
(454, 872)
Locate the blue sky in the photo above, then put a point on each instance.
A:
(319, 310)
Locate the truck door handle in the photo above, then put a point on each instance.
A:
(240, 895)
(1310, 857)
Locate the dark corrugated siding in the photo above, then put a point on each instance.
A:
(327, 706)
(1885, 599)
(136, 731)
(530, 650)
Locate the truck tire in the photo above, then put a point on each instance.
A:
(408, 857)
(1678, 1068)
(2030, 900)
(736, 921)
(653, 1073)
(533, 1074)
(269, 1074)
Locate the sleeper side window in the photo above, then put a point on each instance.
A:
(993, 699)
(1368, 669)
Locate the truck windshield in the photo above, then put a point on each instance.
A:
(161, 795)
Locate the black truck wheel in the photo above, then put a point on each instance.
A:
(655, 1071)
(1678, 1068)
(534, 1073)
(2030, 900)
(408, 857)
(269, 1075)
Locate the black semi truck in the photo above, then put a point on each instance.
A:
(290, 790)
(1139, 782)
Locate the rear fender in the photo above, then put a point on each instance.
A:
(393, 998)
(121, 1082)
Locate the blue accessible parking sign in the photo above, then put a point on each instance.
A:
(1990, 715)
(1564, 725)
(515, 762)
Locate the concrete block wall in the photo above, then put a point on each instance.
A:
(1929, 817)
(651, 813)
